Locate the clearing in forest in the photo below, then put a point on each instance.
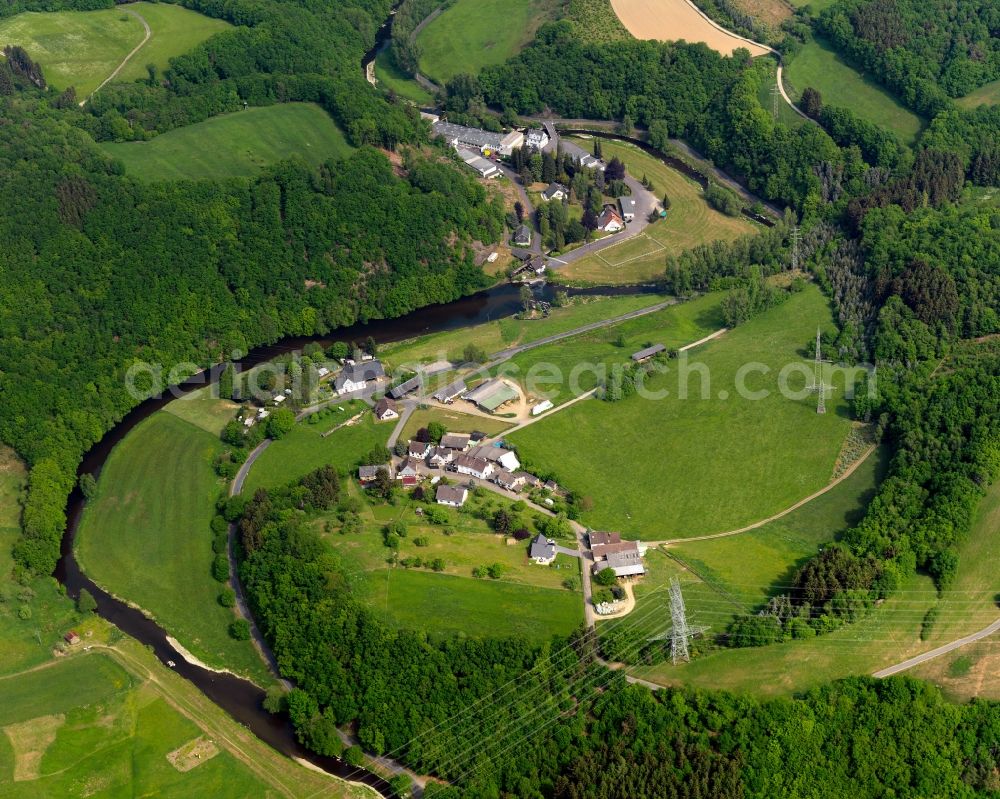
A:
(239, 144)
(674, 20)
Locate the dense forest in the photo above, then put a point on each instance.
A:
(923, 50)
(99, 271)
(502, 718)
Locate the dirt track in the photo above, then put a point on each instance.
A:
(679, 19)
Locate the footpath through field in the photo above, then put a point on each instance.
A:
(121, 66)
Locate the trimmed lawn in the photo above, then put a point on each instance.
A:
(305, 449)
(840, 84)
(391, 78)
(689, 222)
(566, 369)
(709, 462)
(86, 726)
(454, 420)
(146, 537)
(989, 94)
(503, 333)
(471, 35)
(239, 144)
(82, 48)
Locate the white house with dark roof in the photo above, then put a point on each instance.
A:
(475, 467)
(536, 138)
(451, 392)
(501, 456)
(627, 205)
(386, 410)
(522, 236)
(610, 221)
(543, 550)
(441, 457)
(418, 449)
(357, 376)
(555, 191)
(452, 496)
(509, 480)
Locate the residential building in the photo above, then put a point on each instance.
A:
(522, 236)
(609, 221)
(500, 455)
(475, 467)
(536, 138)
(543, 550)
(441, 457)
(509, 480)
(647, 353)
(580, 156)
(449, 393)
(459, 441)
(599, 541)
(452, 496)
(406, 387)
(385, 409)
(530, 479)
(555, 191)
(356, 376)
(627, 204)
(368, 473)
(408, 469)
(419, 449)
(626, 563)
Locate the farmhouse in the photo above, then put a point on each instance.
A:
(485, 168)
(543, 551)
(555, 191)
(406, 387)
(609, 221)
(451, 496)
(356, 376)
(522, 236)
(627, 563)
(385, 409)
(459, 441)
(484, 141)
(492, 395)
(599, 541)
(627, 204)
(450, 392)
(647, 353)
(476, 467)
(536, 138)
(499, 455)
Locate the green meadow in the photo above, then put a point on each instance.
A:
(146, 537)
(712, 461)
(989, 94)
(391, 78)
(819, 66)
(239, 144)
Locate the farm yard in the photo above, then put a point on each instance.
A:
(689, 222)
(819, 66)
(673, 20)
(239, 144)
(146, 537)
(683, 463)
(525, 599)
(471, 35)
(83, 48)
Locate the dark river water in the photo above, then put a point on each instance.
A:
(240, 698)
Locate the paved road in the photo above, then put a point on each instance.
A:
(941, 650)
(408, 406)
(529, 212)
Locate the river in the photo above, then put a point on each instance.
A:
(240, 698)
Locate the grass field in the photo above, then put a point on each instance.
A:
(672, 20)
(689, 222)
(392, 78)
(469, 36)
(581, 359)
(305, 449)
(819, 66)
(146, 537)
(203, 410)
(454, 420)
(528, 600)
(988, 95)
(503, 333)
(786, 114)
(240, 144)
(711, 462)
(82, 48)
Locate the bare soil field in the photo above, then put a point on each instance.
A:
(678, 19)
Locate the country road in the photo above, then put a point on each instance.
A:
(951, 646)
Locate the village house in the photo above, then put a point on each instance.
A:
(647, 353)
(536, 138)
(499, 455)
(555, 191)
(452, 496)
(419, 449)
(475, 467)
(367, 474)
(609, 221)
(522, 236)
(441, 457)
(600, 540)
(409, 470)
(627, 205)
(529, 479)
(449, 393)
(509, 480)
(406, 387)
(459, 441)
(581, 157)
(485, 141)
(625, 563)
(385, 409)
(543, 550)
(534, 265)
(357, 376)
